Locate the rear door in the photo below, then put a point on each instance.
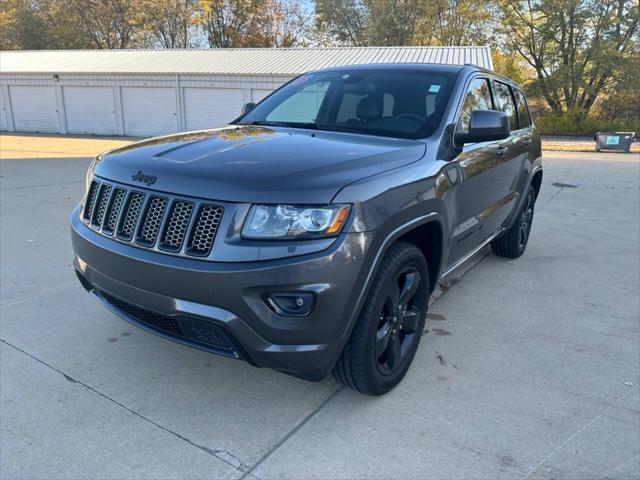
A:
(516, 147)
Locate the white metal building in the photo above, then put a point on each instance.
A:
(152, 92)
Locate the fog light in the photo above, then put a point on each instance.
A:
(296, 304)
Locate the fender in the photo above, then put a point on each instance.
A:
(379, 254)
(516, 210)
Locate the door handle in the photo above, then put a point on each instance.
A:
(501, 151)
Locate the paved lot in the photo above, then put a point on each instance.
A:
(530, 368)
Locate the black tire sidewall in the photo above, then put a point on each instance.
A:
(399, 257)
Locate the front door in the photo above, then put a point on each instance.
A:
(486, 194)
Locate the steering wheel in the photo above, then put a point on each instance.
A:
(412, 116)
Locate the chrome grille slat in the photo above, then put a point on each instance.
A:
(152, 220)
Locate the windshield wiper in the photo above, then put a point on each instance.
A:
(308, 125)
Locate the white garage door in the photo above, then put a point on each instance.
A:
(4, 123)
(149, 111)
(211, 107)
(90, 110)
(34, 109)
(257, 94)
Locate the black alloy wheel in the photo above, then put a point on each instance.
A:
(387, 333)
(398, 321)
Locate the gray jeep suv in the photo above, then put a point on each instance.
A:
(308, 234)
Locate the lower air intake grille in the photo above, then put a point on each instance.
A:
(152, 319)
(187, 328)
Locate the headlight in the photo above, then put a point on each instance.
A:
(293, 221)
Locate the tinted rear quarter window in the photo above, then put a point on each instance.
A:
(478, 97)
(506, 104)
(523, 109)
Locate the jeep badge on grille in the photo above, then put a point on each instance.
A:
(143, 178)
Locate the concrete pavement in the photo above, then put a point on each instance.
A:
(530, 368)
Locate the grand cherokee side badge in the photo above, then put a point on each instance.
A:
(143, 178)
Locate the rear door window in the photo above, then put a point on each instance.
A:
(506, 103)
(523, 109)
(478, 97)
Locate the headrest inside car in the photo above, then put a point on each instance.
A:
(369, 108)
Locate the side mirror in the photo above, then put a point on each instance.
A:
(485, 126)
(247, 107)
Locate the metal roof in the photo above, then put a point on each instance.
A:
(231, 61)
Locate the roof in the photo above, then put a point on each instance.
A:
(231, 61)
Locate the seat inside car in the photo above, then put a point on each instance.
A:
(369, 109)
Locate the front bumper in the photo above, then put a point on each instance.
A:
(223, 303)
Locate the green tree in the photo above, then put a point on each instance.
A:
(40, 25)
(579, 49)
(456, 22)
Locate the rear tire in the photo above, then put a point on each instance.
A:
(513, 242)
(388, 331)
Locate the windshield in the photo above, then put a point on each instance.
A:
(401, 104)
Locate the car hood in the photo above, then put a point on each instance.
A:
(256, 164)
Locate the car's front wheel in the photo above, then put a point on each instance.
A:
(390, 325)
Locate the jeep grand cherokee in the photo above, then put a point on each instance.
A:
(308, 234)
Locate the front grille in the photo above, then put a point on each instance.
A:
(152, 220)
(188, 328)
(205, 230)
(130, 219)
(91, 200)
(117, 199)
(100, 207)
(177, 225)
(150, 226)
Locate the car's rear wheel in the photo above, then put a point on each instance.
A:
(513, 242)
(390, 325)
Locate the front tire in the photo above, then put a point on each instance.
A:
(513, 242)
(388, 331)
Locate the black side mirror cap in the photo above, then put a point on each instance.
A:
(485, 126)
(247, 107)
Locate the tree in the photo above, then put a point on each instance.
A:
(170, 22)
(226, 22)
(343, 21)
(456, 22)
(578, 48)
(40, 25)
(283, 24)
(110, 23)
(393, 22)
